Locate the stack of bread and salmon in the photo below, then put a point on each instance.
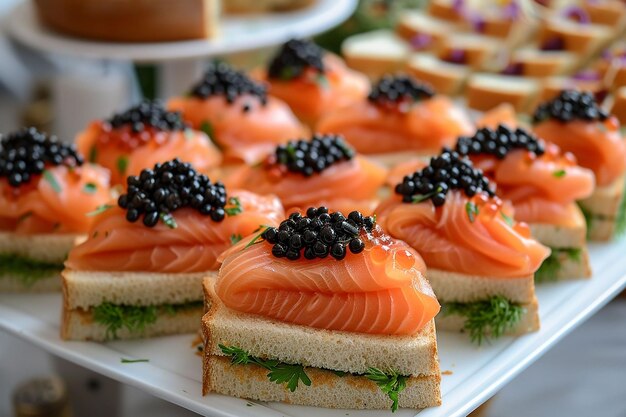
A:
(315, 227)
(521, 52)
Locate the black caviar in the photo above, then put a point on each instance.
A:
(446, 172)
(28, 152)
(498, 142)
(399, 88)
(571, 105)
(313, 156)
(222, 80)
(295, 57)
(148, 114)
(155, 193)
(318, 234)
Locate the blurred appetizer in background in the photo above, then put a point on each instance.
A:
(143, 135)
(46, 194)
(328, 336)
(481, 262)
(312, 81)
(576, 123)
(321, 171)
(237, 114)
(400, 118)
(139, 273)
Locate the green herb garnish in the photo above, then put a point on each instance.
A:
(549, 269)
(168, 220)
(234, 239)
(90, 188)
(472, 211)
(322, 81)
(261, 229)
(234, 207)
(122, 164)
(27, 271)
(279, 372)
(207, 128)
(559, 173)
(486, 318)
(620, 219)
(93, 154)
(99, 210)
(124, 360)
(340, 373)
(507, 219)
(391, 383)
(48, 176)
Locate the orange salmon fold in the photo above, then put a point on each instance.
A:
(381, 290)
(597, 145)
(55, 202)
(126, 153)
(115, 244)
(242, 135)
(448, 238)
(345, 186)
(426, 127)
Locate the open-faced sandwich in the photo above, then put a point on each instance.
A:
(325, 310)
(46, 192)
(313, 82)
(237, 114)
(542, 184)
(142, 136)
(575, 123)
(401, 117)
(480, 261)
(322, 171)
(140, 271)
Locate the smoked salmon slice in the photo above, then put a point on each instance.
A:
(380, 290)
(455, 232)
(400, 114)
(349, 182)
(142, 136)
(575, 123)
(194, 245)
(237, 114)
(312, 81)
(57, 199)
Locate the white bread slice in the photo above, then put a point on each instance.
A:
(540, 64)
(261, 6)
(78, 324)
(51, 283)
(327, 389)
(85, 289)
(486, 91)
(529, 321)
(445, 77)
(557, 236)
(481, 52)
(376, 53)
(413, 23)
(52, 248)
(340, 351)
(603, 207)
(570, 267)
(456, 287)
(582, 39)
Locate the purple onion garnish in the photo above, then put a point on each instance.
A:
(576, 14)
(587, 75)
(514, 68)
(421, 41)
(554, 43)
(456, 56)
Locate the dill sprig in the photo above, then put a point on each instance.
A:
(391, 383)
(549, 269)
(27, 271)
(486, 319)
(234, 207)
(279, 372)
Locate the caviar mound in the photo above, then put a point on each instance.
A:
(143, 136)
(312, 81)
(320, 171)
(235, 112)
(589, 134)
(400, 115)
(449, 213)
(381, 290)
(45, 187)
(571, 105)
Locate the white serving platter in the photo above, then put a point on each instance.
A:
(238, 33)
(471, 374)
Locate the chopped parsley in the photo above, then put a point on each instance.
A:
(559, 173)
(122, 164)
(100, 209)
(48, 176)
(168, 220)
(234, 207)
(90, 188)
(234, 239)
(391, 383)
